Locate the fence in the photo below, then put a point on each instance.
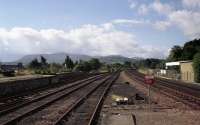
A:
(172, 74)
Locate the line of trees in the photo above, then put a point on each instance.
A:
(87, 66)
(151, 63)
(186, 52)
(42, 67)
(35, 64)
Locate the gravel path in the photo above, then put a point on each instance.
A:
(164, 111)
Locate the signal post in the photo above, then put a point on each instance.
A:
(149, 80)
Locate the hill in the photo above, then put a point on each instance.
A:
(60, 57)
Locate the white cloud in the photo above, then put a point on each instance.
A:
(133, 4)
(156, 5)
(162, 25)
(129, 21)
(191, 3)
(188, 21)
(88, 39)
(161, 7)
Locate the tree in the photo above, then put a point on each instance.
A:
(196, 67)
(149, 63)
(127, 64)
(43, 61)
(175, 53)
(95, 64)
(34, 64)
(190, 49)
(116, 66)
(83, 66)
(186, 52)
(161, 65)
(87, 66)
(68, 63)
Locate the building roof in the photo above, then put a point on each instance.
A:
(177, 63)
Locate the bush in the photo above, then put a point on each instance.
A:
(196, 67)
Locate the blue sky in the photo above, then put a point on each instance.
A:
(145, 28)
(62, 13)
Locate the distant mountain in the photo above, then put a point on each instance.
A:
(60, 57)
(114, 59)
(56, 58)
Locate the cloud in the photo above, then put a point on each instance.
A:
(161, 7)
(129, 22)
(156, 5)
(133, 4)
(88, 39)
(191, 3)
(162, 25)
(142, 9)
(188, 21)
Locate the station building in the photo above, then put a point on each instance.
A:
(184, 69)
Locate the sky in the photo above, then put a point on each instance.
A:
(131, 28)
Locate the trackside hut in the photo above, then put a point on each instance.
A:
(185, 68)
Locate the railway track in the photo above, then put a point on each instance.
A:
(34, 110)
(6, 102)
(86, 110)
(185, 94)
(15, 112)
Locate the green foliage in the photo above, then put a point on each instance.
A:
(87, 66)
(161, 64)
(196, 67)
(149, 63)
(186, 52)
(95, 64)
(190, 49)
(127, 64)
(83, 66)
(43, 62)
(175, 53)
(35, 64)
(69, 64)
(115, 66)
(43, 67)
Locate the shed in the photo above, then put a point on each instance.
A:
(185, 68)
